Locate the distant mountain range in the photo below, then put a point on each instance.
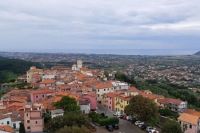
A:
(197, 53)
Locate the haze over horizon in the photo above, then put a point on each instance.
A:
(100, 26)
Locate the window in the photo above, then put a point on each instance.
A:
(28, 121)
(43, 95)
(8, 122)
(28, 127)
(190, 126)
(104, 89)
(37, 96)
(14, 125)
(36, 122)
(27, 114)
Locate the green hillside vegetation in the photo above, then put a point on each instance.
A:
(11, 68)
(164, 88)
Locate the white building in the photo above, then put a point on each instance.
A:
(49, 76)
(57, 112)
(8, 121)
(79, 64)
(118, 85)
(5, 120)
(102, 88)
(84, 106)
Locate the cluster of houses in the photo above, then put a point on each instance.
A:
(88, 87)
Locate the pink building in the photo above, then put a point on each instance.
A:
(92, 99)
(48, 83)
(33, 121)
(41, 94)
(110, 100)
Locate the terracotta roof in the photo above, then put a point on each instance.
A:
(103, 85)
(170, 101)
(6, 128)
(111, 94)
(192, 112)
(3, 117)
(192, 119)
(48, 81)
(42, 91)
(151, 96)
(125, 98)
(134, 89)
(17, 104)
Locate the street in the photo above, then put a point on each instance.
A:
(124, 125)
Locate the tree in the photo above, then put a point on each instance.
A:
(69, 119)
(168, 113)
(74, 129)
(123, 77)
(68, 104)
(171, 127)
(47, 116)
(22, 128)
(142, 108)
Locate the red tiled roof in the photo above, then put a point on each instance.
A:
(111, 94)
(125, 98)
(192, 112)
(170, 101)
(189, 118)
(48, 81)
(42, 91)
(6, 128)
(103, 85)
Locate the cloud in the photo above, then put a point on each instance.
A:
(99, 23)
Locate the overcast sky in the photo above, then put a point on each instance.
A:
(50, 25)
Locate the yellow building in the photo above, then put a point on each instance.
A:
(122, 100)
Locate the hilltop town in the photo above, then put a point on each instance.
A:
(91, 89)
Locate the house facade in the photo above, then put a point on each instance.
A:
(33, 121)
(41, 94)
(189, 123)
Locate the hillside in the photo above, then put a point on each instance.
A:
(11, 68)
(197, 53)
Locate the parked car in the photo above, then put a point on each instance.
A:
(154, 131)
(109, 128)
(116, 126)
(117, 113)
(129, 118)
(133, 120)
(143, 127)
(139, 123)
(149, 129)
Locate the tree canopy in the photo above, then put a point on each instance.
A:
(68, 104)
(142, 108)
(74, 129)
(171, 127)
(69, 119)
(11, 68)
